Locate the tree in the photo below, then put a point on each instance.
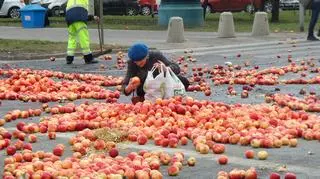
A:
(275, 11)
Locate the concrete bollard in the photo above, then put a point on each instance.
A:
(260, 24)
(175, 30)
(226, 25)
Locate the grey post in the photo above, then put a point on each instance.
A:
(101, 20)
(301, 17)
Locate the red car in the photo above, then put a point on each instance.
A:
(146, 6)
(236, 5)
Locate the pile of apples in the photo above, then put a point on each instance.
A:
(106, 163)
(28, 85)
(238, 173)
(310, 103)
(121, 62)
(235, 75)
(203, 122)
(169, 123)
(94, 79)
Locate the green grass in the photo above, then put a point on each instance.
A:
(289, 21)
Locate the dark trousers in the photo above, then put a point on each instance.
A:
(314, 17)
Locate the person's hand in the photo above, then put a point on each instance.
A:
(134, 83)
(158, 65)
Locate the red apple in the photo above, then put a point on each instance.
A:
(274, 176)
(249, 154)
(11, 150)
(173, 170)
(290, 176)
(58, 150)
(113, 152)
(142, 139)
(52, 135)
(222, 160)
(32, 138)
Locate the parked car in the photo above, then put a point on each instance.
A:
(237, 5)
(121, 7)
(289, 4)
(55, 7)
(146, 7)
(10, 8)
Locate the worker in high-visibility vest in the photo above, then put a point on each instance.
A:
(77, 17)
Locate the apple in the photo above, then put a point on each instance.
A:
(222, 160)
(27, 146)
(249, 154)
(255, 143)
(2, 122)
(218, 148)
(52, 135)
(173, 142)
(173, 170)
(154, 164)
(165, 142)
(204, 149)
(99, 144)
(191, 161)
(135, 80)
(32, 138)
(27, 156)
(262, 155)
(251, 173)
(155, 174)
(274, 176)
(290, 176)
(113, 152)
(11, 150)
(293, 142)
(58, 150)
(142, 139)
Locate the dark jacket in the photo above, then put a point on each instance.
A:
(134, 70)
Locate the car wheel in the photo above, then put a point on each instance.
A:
(146, 11)
(55, 11)
(14, 13)
(131, 11)
(250, 8)
(268, 6)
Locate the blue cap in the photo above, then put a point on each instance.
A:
(138, 51)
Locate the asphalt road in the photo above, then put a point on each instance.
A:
(264, 55)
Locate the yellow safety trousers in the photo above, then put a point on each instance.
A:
(78, 31)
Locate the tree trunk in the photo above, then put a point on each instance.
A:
(275, 10)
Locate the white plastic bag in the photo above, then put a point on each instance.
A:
(154, 86)
(173, 85)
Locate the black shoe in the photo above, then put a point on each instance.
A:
(88, 59)
(69, 59)
(318, 33)
(312, 38)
